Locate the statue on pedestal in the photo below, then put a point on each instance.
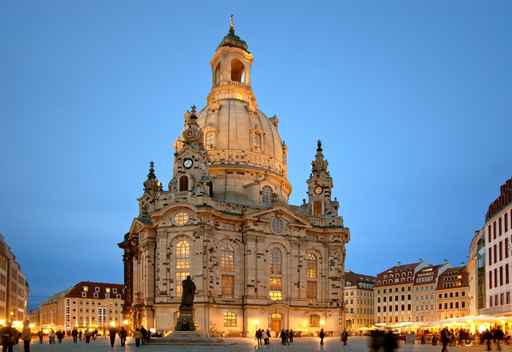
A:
(186, 317)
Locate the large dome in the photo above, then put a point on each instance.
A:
(246, 156)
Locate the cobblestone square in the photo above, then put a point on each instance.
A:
(356, 344)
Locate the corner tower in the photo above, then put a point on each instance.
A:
(247, 160)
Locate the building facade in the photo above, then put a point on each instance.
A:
(393, 293)
(423, 292)
(498, 247)
(358, 301)
(476, 273)
(452, 294)
(14, 288)
(257, 261)
(86, 305)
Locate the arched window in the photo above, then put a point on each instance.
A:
(182, 264)
(183, 184)
(210, 140)
(276, 280)
(311, 276)
(266, 196)
(237, 71)
(216, 77)
(257, 141)
(317, 208)
(227, 268)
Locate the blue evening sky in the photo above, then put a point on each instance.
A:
(411, 100)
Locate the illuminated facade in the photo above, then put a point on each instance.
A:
(423, 292)
(497, 232)
(452, 294)
(86, 305)
(13, 286)
(358, 301)
(257, 261)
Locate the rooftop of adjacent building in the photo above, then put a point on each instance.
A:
(355, 279)
(503, 200)
(89, 290)
(453, 278)
(397, 275)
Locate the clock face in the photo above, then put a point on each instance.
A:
(188, 163)
(318, 190)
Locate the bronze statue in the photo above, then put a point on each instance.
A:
(188, 292)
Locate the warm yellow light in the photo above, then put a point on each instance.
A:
(32, 325)
(112, 323)
(257, 322)
(322, 322)
(126, 322)
(2, 321)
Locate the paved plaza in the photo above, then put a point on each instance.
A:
(356, 344)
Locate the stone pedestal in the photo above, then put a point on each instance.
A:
(185, 320)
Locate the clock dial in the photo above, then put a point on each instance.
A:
(188, 163)
(318, 190)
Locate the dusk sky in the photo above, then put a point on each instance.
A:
(411, 100)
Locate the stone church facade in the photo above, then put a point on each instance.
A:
(257, 261)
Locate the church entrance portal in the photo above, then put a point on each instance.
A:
(275, 323)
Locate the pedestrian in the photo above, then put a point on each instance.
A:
(445, 339)
(137, 335)
(26, 335)
(389, 342)
(321, 334)
(60, 335)
(266, 337)
(80, 334)
(40, 334)
(290, 336)
(498, 337)
(74, 334)
(87, 336)
(122, 335)
(6, 337)
(344, 337)
(112, 333)
(144, 334)
(51, 337)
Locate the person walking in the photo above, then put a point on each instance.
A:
(6, 338)
(390, 342)
(322, 336)
(112, 333)
(498, 337)
(258, 336)
(74, 334)
(40, 334)
(266, 335)
(26, 336)
(137, 335)
(283, 337)
(51, 337)
(445, 339)
(122, 335)
(60, 335)
(290, 336)
(344, 337)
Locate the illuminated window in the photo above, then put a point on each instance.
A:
(311, 276)
(276, 289)
(229, 320)
(228, 285)
(86, 288)
(182, 264)
(227, 259)
(314, 320)
(181, 218)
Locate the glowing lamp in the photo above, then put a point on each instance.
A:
(112, 324)
(322, 322)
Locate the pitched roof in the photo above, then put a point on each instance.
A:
(96, 290)
(453, 278)
(355, 279)
(397, 275)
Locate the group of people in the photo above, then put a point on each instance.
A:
(9, 337)
(387, 340)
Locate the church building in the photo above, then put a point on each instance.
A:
(224, 219)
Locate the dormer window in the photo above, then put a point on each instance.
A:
(85, 288)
